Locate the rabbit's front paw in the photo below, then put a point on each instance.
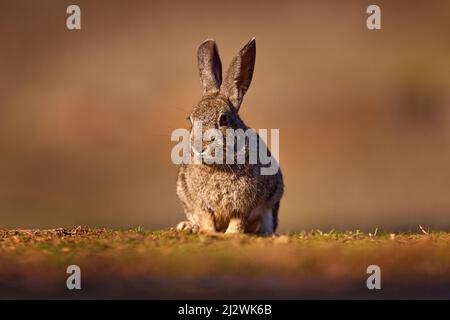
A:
(188, 226)
(236, 226)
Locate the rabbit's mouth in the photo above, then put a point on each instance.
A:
(208, 154)
(219, 154)
(204, 152)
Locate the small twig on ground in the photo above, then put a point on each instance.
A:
(423, 230)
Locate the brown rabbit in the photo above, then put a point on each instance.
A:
(230, 198)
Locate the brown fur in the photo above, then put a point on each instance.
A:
(232, 198)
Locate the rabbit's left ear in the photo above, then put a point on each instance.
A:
(239, 74)
(210, 67)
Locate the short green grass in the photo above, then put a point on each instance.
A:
(169, 264)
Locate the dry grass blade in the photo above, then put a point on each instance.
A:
(423, 230)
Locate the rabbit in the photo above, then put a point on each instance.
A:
(230, 198)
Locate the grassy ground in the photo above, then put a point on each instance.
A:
(167, 264)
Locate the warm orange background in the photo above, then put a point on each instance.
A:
(86, 116)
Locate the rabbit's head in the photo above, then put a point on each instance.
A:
(221, 100)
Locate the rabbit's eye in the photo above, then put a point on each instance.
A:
(223, 120)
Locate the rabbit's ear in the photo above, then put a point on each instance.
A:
(210, 67)
(239, 74)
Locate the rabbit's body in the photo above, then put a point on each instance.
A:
(213, 196)
(231, 198)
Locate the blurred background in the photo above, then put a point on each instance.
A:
(86, 116)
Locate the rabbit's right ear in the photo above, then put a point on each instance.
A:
(210, 67)
(240, 73)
